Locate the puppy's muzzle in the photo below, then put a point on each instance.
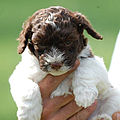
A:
(56, 66)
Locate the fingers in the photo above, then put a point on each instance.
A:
(46, 86)
(85, 113)
(65, 112)
(50, 82)
(56, 103)
(116, 116)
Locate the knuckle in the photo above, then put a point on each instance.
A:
(78, 117)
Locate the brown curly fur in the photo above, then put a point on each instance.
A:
(71, 26)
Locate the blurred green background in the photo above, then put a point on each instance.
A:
(103, 14)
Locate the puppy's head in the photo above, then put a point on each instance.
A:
(55, 36)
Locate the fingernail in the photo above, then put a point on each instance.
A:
(95, 103)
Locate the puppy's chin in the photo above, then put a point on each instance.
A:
(57, 73)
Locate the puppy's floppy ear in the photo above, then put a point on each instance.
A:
(25, 34)
(83, 23)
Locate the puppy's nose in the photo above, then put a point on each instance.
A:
(56, 65)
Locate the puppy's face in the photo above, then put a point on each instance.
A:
(55, 36)
(57, 52)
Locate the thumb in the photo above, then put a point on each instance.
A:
(116, 116)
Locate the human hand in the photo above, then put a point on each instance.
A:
(62, 107)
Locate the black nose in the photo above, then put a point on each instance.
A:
(56, 65)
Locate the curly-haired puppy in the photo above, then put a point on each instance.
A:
(50, 42)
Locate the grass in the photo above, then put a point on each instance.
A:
(103, 14)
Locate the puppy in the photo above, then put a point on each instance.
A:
(50, 42)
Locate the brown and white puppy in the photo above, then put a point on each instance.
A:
(51, 41)
(55, 29)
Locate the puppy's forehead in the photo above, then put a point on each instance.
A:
(56, 37)
(53, 23)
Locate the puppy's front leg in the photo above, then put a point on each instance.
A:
(110, 103)
(27, 96)
(85, 92)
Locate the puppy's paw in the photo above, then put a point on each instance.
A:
(102, 117)
(86, 97)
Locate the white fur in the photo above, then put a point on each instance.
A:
(56, 56)
(88, 82)
(50, 19)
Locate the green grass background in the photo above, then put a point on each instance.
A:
(103, 14)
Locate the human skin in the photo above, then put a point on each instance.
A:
(63, 107)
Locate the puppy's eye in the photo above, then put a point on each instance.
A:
(38, 46)
(68, 43)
